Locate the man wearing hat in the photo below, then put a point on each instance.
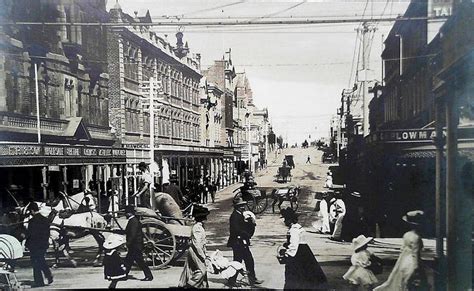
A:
(146, 182)
(134, 234)
(240, 232)
(173, 189)
(37, 241)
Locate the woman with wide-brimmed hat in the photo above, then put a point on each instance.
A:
(359, 275)
(302, 270)
(194, 274)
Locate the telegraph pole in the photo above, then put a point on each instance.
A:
(365, 31)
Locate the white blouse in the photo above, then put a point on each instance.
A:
(296, 233)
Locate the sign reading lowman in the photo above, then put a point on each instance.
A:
(58, 151)
(414, 135)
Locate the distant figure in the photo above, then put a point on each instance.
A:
(308, 160)
(328, 183)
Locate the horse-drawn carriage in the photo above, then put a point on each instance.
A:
(284, 174)
(256, 199)
(289, 194)
(165, 238)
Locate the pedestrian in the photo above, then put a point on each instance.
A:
(328, 183)
(194, 274)
(302, 270)
(173, 189)
(338, 211)
(359, 275)
(308, 160)
(324, 213)
(37, 241)
(409, 272)
(114, 266)
(241, 230)
(213, 190)
(146, 182)
(134, 234)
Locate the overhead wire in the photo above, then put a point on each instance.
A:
(278, 12)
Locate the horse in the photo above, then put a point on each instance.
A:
(285, 194)
(72, 217)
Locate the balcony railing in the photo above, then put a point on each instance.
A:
(24, 121)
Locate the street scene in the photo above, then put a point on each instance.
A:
(297, 145)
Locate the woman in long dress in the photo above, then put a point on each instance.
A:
(195, 273)
(302, 270)
(408, 272)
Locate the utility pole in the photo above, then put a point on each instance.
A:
(365, 31)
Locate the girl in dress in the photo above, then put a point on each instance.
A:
(114, 267)
(302, 270)
(358, 275)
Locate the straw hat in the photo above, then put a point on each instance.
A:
(113, 241)
(360, 242)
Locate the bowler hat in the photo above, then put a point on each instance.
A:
(238, 201)
(199, 212)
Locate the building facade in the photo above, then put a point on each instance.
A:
(57, 75)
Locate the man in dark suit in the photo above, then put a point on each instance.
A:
(37, 241)
(240, 232)
(174, 190)
(134, 235)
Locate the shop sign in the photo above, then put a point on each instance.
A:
(53, 168)
(58, 151)
(413, 135)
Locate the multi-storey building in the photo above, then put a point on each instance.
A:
(398, 156)
(56, 75)
(136, 54)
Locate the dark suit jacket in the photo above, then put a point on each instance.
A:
(37, 236)
(175, 192)
(240, 231)
(134, 234)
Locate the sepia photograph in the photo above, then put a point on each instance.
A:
(237, 144)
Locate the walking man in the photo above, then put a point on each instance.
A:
(240, 232)
(146, 180)
(37, 241)
(308, 160)
(135, 243)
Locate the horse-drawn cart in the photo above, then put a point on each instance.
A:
(163, 240)
(284, 174)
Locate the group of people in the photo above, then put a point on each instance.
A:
(332, 210)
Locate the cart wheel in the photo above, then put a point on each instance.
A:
(260, 205)
(159, 243)
(182, 245)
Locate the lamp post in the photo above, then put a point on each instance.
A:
(247, 115)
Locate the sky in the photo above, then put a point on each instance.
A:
(296, 71)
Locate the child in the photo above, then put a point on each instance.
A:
(114, 267)
(359, 274)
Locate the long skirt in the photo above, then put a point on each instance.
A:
(303, 271)
(195, 272)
